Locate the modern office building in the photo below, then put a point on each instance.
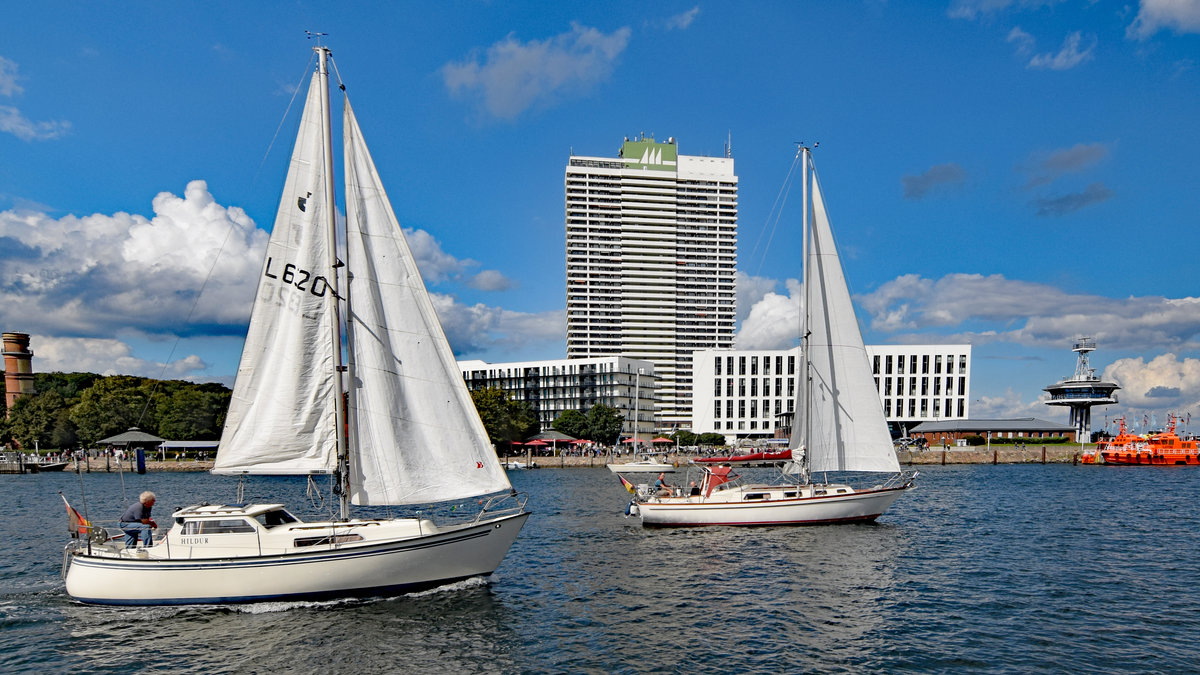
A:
(651, 262)
(551, 387)
(750, 393)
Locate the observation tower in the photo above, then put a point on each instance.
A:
(1082, 391)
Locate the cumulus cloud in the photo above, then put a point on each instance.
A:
(1068, 203)
(438, 266)
(477, 329)
(773, 322)
(1032, 314)
(751, 289)
(106, 356)
(100, 274)
(1024, 41)
(1180, 16)
(11, 119)
(490, 280)
(1047, 167)
(683, 20)
(513, 76)
(1166, 382)
(940, 176)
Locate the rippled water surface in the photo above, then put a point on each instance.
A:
(981, 569)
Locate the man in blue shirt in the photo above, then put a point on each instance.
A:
(136, 521)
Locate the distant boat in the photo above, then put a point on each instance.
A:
(840, 426)
(406, 432)
(1165, 448)
(645, 465)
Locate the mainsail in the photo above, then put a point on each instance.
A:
(281, 418)
(415, 436)
(846, 428)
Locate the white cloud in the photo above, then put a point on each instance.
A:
(514, 76)
(750, 290)
(11, 119)
(1024, 41)
(683, 20)
(105, 356)
(974, 9)
(477, 329)
(1166, 382)
(1071, 54)
(1009, 405)
(490, 280)
(773, 322)
(100, 274)
(1181, 16)
(1068, 203)
(9, 79)
(1032, 314)
(435, 264)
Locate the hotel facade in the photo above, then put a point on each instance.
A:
(553, 387)
(740, 393)
(651, 245)
(749, 393)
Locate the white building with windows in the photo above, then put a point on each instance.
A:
(552, 387)
(651, 262)
(748, 393)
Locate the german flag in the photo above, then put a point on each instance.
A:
(627, 484)
(76, 523)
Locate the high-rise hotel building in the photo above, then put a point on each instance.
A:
(652, 261)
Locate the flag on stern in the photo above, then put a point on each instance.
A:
(627, 484)
(76, 524)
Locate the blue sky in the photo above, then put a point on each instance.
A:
(1009, 173)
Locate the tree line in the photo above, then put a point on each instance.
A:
(70, 410)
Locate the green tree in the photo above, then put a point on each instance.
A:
(506, 420)
(192, 413)
(684, 437)
(711, 439)
(572, 423)
(604, 424)
(33, 420)
(112, 405)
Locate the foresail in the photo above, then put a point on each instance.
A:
(281, 418)
(847, 429)
(415, 436)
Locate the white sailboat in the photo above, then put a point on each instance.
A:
(840, 426)
(405, 432)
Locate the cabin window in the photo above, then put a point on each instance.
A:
(275, 518)
(788, 495)
(225, 526)
(217, 526)
(755, 495)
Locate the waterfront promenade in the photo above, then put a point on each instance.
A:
(1032, 454)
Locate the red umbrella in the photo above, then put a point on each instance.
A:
(660, 439)
(580, 441)
(627, 440)
(537, 443)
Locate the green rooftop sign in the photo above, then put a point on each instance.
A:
(648, 154)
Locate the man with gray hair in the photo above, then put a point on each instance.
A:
(136, 521)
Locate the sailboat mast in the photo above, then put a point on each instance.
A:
(342, 475)
(806, 303)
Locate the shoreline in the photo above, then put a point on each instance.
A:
(1043, 454)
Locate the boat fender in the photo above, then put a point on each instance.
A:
(631, 509)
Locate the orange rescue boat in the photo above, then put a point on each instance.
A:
(1163, 449)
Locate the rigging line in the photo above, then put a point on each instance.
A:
(775, 214)
(220, 250)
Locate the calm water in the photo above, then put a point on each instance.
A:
(981, 569)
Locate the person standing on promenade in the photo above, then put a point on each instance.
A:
(136, 521)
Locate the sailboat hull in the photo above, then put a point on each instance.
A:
(374, 569)
(735, 509)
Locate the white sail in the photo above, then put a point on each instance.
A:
(281, 418)
(847, 430)
(415, 436)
